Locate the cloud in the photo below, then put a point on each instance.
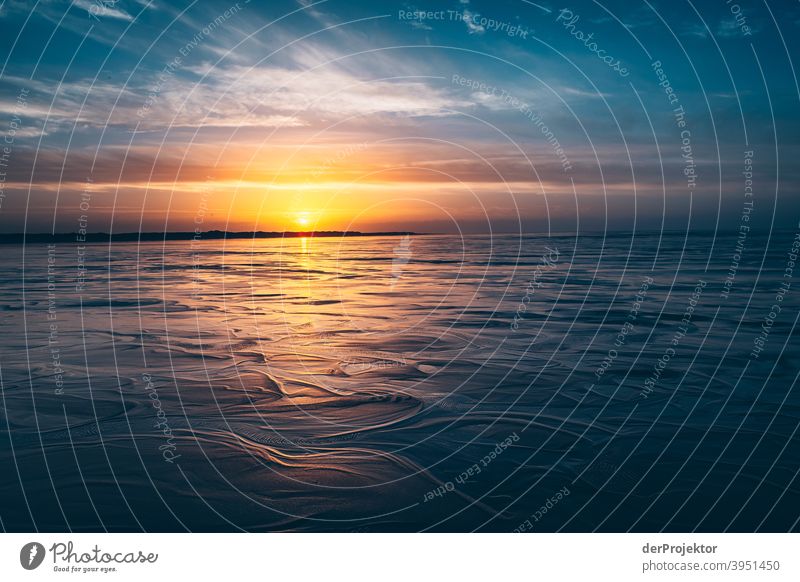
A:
(103, 9)
(236, 96)
(327, 91)
(472, 27)
(420, 25)
(695, 29)
(729, 28)
(641, 17)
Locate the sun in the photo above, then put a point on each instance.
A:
(302, 219)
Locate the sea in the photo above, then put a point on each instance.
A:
(507, 383)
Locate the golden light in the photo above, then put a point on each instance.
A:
(303, 219)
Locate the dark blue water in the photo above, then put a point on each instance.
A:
(542, 383)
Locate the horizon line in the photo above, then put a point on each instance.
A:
(190, 235)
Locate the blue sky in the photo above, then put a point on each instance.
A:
(438, 116)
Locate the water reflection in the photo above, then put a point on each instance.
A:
(324, 384)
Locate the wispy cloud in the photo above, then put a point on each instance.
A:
(235, 96)
(472, 26)
(327, 91)
(729, 28)
(695, 29)
(100, 9)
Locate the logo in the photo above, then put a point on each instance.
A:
(31, 555)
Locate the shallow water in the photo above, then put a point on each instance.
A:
(384, 384)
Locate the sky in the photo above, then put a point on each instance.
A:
(454, 116)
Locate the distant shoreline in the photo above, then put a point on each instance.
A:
(104, 237)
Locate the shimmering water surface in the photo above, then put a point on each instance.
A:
(400, 384)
